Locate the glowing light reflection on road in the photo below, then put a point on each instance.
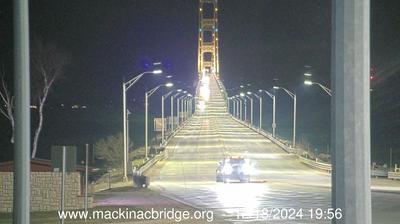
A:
(241, 196)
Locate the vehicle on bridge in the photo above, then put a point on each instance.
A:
(234, 168)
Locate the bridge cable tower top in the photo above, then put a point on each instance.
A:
(208, 58)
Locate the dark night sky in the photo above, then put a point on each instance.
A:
(259, 40)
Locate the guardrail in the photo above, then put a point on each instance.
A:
(282, 145)
(327, 167)
(151, 162)
(162, 155)
(394, 175)
(379, 173)
(316, 165)
(312, 163)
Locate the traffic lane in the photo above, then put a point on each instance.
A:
(270, 161)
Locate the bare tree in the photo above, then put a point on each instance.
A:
(7, 104)
(48, 65)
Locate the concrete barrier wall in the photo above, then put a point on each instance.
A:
(45, 191)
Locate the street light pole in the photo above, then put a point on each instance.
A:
(234, 107)
(245, 109)
(251, 107)
(162, 120)
(125, 177)
(162, 115)
(146, 123)
(326, 89)
(273, 109)
(22, 146)
(241, 109)
(260, 104)
(172, 109)
(179, 108)
(146, 117)
(237, 107)
(227, 100)
(293, 96)
(125, 87)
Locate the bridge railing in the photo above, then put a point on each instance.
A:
(314, 163)
(287, 148)
(164, 153)
(222, 88)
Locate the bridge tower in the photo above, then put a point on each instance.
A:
(208, 58)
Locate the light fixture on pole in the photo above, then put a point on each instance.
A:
(125, 87)
(147, 95)
(273, 109)
(326, 89)
(293, 96)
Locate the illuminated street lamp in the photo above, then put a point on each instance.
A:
(293, 96)
(273, 109)
(147, 95)
(125, 87)
(326, 89)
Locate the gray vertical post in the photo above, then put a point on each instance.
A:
(229, 108)
(162, 120)
(351, 111)
(273, 115)
(22, 148)
(86, 176)
(245, 110)
(237, 108)
(63, 181)
(146, 124)
(177, 112)
(261, 115)
(251, 111)
(234, 107)
(181, 114)
(172, 113)
(125, 143)
(184, 109)
(390, 158)
(294, 122)
(241, 110)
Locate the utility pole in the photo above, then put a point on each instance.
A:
(86, 176)
(350, 130)
(22, 147)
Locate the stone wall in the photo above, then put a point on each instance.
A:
(45, 191)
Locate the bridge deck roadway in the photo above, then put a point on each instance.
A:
(279, 181)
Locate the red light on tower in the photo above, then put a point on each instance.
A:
(372, 74)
